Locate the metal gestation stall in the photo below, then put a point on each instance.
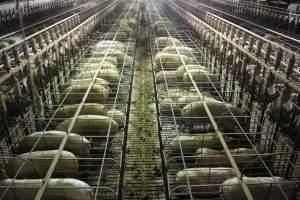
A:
(27, 14)
(88, 96)
(262, 14)
(216, 135)
(238, 23)
(259, 63)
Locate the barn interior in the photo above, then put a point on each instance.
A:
(149, 100)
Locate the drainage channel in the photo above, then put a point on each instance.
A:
(143, 178)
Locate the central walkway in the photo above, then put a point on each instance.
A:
(143, 177)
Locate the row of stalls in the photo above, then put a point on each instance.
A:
(11, 16)
(206, 123)
(72, 143)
